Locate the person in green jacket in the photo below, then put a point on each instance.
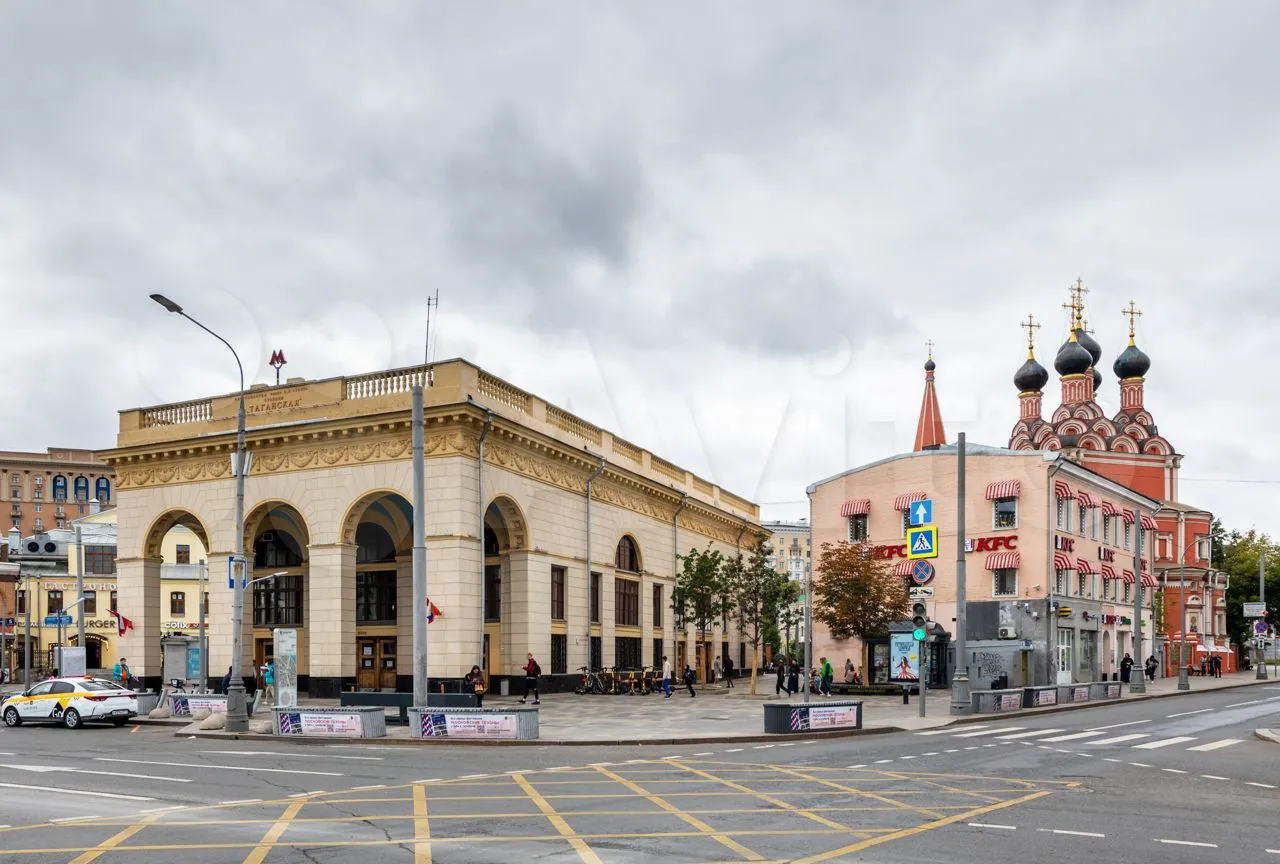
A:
(826, 674)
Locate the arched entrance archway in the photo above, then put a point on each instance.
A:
(276, 542)
(381, 529)
(506, 544)
(93, 649)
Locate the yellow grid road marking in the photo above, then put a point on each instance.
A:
(768, 799)
(584, 851)
(721, 838)
(421, 827)
(115, 840)
(919, 829)
(875, 796)
(273, 834)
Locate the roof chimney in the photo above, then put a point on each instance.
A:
(95, 506)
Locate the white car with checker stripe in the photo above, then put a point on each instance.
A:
(71, 702)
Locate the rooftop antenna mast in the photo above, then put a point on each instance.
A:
(427, 351)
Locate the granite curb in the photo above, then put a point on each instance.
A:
(1271, 735)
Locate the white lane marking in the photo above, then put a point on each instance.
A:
(237, 801)
(218, 767)
(1139, 764)
(1188, 713)
(1032, 734)
(76, 792)
(950, 751)
(53, 769)
(1242, 704)
(989, 732)
(1117, 761)
(10, 826)
(305, 794)
(1072, 737)
(1215, 745)
(905, 758)
(1187, 843)
(1118, 725)
(735, 750)
(1214, 777)
(73, 819)
(858, 766)
(1269, 851)
(629, 762)
(989, 825)
(930, 753)
(763, 747)
(603, 764)
(1259, 785)
(384, 785)
(1119, 739)
(1173, 770)
(708, 754)
(1163, 742)
(290, 755)
(883, 761)
(974, 747)
(990, 745)
(165, 809)
(809, 742)
(437, 779)
(472, 776)
(1070, 833)
(946, 729)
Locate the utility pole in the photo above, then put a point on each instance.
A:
(80, 588)
(960, 675)
(1137, 684)
(420, 601)
(1262, 598)
(26, 640)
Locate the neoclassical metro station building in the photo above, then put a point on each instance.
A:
(328, 522)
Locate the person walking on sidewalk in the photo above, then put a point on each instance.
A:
(666, 677)
(475, 680)
(689, 678)
(1217, 665)
(269, 681)
(793, 677)
(782, 676)
(827, 674)
(531, 672)
(717, 671)
(1126, 668)
(1151, 664)
(728, 671)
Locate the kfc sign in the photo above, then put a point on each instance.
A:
(1106, 554)
(899, 551)
(991, 544)
(1063, 544)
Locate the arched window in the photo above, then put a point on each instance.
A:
(102, 490)
(373, 544)
(276, 549)
(59, 488)
(82, 489)
(628, 556)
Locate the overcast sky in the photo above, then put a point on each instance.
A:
(721, 230)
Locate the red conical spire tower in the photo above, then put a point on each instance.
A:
(929, 432)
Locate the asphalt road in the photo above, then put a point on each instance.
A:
(1180, 779)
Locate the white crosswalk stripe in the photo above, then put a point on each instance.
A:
(1073, 736)
(990, 732)
(1032, 734)
(949, 730)
(1215, 745)
(1163, 742)
(1119, 739)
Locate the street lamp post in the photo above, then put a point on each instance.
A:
(1184, 682)
(237, 714)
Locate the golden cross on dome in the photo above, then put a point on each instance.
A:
(929, 344)
(1133, 313)
(1077, 300)
(1031, 327)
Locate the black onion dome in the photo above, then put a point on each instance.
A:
(1089, 344)
(1131, 363)
(1073, 359)
(929, 365)
(1097, 379)
(1031, 377)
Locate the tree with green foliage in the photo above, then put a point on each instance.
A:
(1237, 554)
(758, 591)
(701, 595)
(856, 594)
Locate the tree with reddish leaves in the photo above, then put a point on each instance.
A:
(857, 594)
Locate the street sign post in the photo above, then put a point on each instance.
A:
(922, 512)
(922, 542)
(920, 592)
(1260, 628)
(1255, 610)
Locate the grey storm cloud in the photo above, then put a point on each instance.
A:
(677, 218)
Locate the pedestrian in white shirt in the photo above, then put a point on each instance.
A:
(666, 677)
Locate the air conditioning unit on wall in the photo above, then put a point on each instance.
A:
(1008, 633)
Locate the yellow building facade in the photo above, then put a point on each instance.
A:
(514, 564)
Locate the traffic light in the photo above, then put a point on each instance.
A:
(919, 621)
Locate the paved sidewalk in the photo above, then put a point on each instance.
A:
(722, 714)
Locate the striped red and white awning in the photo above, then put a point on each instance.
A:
(1003, 561)
(855, 507)
(1062, 561)
(1084, 567)
(906, 499)
(1129, 516)
(902, 568)
(1062, 490)
(1003, 489)
(1128, 577)
(1086, 499)
(1108, 572)
(1109, 509)
(1148, 524)
(1149, 581)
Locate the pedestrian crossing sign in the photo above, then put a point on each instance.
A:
(922, 542)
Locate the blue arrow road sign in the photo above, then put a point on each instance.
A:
(922, 512)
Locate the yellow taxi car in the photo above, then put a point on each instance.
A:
(71, 702)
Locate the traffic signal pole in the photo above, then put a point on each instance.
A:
(960, 675)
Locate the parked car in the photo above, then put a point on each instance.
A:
(71, 702)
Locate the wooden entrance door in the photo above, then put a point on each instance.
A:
(376, 663)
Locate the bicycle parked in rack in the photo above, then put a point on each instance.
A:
(591, 682)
